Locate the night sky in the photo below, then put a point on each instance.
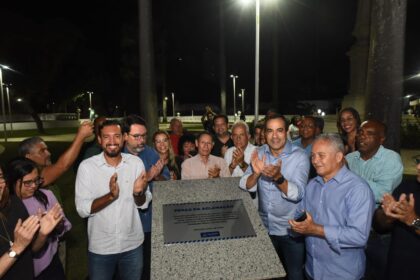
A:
(62, 48)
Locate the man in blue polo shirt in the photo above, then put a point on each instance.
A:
(135, 135)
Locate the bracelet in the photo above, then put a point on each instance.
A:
(230, 166)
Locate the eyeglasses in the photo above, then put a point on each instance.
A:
(37, 181)
(138, 136)
(164, 140)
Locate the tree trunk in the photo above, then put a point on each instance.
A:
(385, 66)
(148, 98)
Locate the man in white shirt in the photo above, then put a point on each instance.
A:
(239, 157)
(109, 189)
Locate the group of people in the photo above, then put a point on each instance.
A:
(326, 200)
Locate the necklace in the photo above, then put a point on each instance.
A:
(8, 239)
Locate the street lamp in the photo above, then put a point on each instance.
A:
(234, 77)
(2, 100)
(10, 108)
(173, 104)
(242, 95)
(90, 98)
(164, 105)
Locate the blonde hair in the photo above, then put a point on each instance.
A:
(171, 154)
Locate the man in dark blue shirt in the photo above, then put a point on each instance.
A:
(135, 135)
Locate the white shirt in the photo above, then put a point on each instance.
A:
(117, 227)
(237, 172)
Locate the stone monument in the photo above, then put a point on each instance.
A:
(209, 229)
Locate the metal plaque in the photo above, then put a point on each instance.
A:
(205, 221)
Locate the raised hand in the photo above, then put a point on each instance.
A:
(214, 172)
(140, 184)
(155, 170)
(223, 150)
(24, 233)
(114, 189)
(85, 129)
(51, 219)
(272, 170)
(238, 156)
(256, 163)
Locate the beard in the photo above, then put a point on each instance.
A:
(113, 153)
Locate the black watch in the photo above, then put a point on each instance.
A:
(416, 224)
(280, 180)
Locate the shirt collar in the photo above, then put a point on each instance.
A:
(101, 159)
(339, 177)
(286, 150)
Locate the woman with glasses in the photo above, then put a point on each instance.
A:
(161, 143)
(348, 122)
(23, 179)
(17, 230)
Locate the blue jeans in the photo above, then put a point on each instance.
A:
(129, 264)
(291, 251)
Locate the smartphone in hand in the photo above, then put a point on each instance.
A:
(301, 218)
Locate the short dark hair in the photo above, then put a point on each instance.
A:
(26, 145)
(220, 117)
(130, 120)
(109, 123)
(187, 137)
(277, 116)
(205, 133)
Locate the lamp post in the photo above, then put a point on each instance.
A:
(164, 106)
(173, 104)
(257, 59)
(234, 77)
(90, 98)
(10, 108)
(242, 95)
(2, 100)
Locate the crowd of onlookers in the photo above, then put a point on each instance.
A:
(333, 203)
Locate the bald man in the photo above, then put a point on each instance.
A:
(380, 167)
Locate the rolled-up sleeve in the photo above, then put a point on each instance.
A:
(145, 205)
(244, 178)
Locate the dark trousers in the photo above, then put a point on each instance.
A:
(291, 252)
(146, 255)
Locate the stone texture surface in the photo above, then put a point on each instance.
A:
(248, 258)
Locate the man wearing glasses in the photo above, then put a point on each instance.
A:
(135, 137)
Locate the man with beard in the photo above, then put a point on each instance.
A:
(109, 189)
(279, 172)
(135, 136)
(222, 140)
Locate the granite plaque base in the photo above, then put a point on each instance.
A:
(244, 258)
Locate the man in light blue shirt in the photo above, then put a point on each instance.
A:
(339, 206)
(279, 172)
(380, 167)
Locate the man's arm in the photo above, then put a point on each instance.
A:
(354, 233)
(52, 172)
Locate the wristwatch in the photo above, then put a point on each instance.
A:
(242, 164)
(416, 224)
(280, 180)
(13, 254)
